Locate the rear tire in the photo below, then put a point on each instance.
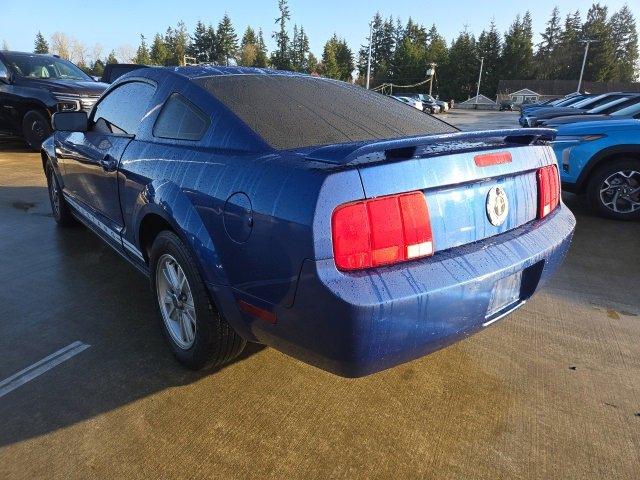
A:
(204, 341)
(616, 186)
(36, 127)
(59, 207)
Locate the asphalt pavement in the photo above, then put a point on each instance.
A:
(552, 391)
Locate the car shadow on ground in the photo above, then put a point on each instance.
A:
(68, 286)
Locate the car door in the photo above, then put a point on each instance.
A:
(90, 159)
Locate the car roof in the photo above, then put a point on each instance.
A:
(27, 54)
(199, 71)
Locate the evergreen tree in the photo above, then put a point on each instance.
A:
(461, 71)
(176, 42)
(299, 50)
(548, 58)
(625, 40)
(98, 68)
(262, 59)
(226, 41)
(600, 65)
(159, 54)
(248, 48)
(409, 65)
(203, 44)
(337, 59)
(489, 47)
(312, 63)
(569, 56)
(280, 58)
(142, 55)
(517, 52)
(383, 45)
(40, 45)
(112, 58)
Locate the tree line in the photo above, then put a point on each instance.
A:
(400, 53)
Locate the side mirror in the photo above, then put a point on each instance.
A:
(70, 121)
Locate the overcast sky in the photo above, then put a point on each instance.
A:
(115, 23)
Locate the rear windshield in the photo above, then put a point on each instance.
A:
(295, 111)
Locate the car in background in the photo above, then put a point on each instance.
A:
(604, 109)
(113, 71)
(412, 102)
(355, 243)
(602, 160)
(507, 106)
(431, 105)
(533, 119)
(627, 113)
(558, 102)
(33, 87)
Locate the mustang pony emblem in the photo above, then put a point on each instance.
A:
(497, 206)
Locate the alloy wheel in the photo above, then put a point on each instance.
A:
(176, 301)
(620, 191)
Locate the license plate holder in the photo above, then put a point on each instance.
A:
(506, 291)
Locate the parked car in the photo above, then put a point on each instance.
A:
(326, 220)
(629, 112)
(533, 119)
(560, 102)
(430, 104)
(602, 160)
(113, 71)
(507, 105)
(413, 102)
(604, 109)
(33, 87)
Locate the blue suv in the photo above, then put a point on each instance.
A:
(602, 159)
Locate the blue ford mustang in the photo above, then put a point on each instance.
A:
(335, 224)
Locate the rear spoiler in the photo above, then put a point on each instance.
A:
(424, 145)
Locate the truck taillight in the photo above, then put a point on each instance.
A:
(548, 190)
(381, 231)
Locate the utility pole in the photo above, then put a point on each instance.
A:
(431, 72)
(369, 59)
(479, 79)
(584, 60)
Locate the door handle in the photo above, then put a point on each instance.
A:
(108, 163)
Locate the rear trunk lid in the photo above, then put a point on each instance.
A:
(457, 189)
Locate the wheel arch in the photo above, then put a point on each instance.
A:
(599, 159)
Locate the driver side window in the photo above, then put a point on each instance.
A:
(122, 109)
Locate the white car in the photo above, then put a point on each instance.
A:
(414, 102)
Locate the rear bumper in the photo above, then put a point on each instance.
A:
(360, 323)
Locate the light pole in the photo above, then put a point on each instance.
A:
(369, 59)
(584, 60)
(479, 79)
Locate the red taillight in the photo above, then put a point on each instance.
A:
(548, 190)
(381, 231)
(487, 159)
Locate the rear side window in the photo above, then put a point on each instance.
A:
(290, 111)
(180, 120)
(122, 109)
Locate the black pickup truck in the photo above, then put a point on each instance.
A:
(33, 87)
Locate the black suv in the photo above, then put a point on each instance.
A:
(33, 87)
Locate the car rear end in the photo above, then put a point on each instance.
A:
(417, 235)
(426, 255)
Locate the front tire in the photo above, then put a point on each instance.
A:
(59, 207)
(614, 190)
(36, 128)
(197, 333)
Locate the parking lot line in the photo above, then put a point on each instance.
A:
(47, 363)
